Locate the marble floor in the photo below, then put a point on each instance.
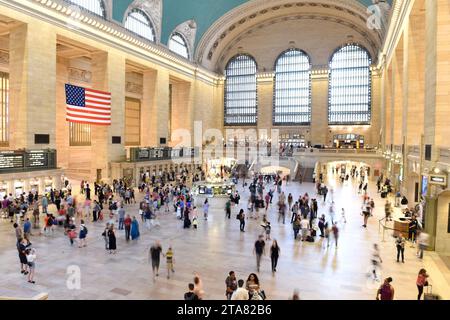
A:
(215, 248)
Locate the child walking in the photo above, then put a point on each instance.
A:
(169, 262)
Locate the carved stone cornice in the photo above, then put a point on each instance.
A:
(132, 87)
(4, 57)
(80, 75)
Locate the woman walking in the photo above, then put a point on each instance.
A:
(421, 282)
(205, 209)
(274, 255)
(31, 258)
(112, 246)
(83, 234)
(241, 218)
(105, 236)
(134, 229)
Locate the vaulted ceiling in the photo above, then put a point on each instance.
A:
(204, 12)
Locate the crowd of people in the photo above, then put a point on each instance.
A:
(166, 193)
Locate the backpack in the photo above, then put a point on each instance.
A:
(85, 230)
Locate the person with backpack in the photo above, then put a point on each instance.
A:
(71, 233)
(241, 218)
(96, 211)
(386, 291)
(82, 235)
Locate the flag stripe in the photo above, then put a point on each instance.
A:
(99, 102)
(97, 91)
(93, 120)
(100, 116)
(97, 106)
(85, 105)
(85, 122)
(93, 98)
(90, 110)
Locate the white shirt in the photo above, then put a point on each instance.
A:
(240, 294)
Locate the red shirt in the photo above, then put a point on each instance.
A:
(127, 222)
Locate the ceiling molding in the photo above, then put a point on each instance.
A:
(374, 47)
(399, 21)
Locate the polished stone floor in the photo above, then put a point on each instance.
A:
(217, 247)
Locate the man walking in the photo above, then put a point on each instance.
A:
(127, 222)
(241, 218)
(259, 250)
(400, 244)
(121, 212)
(155, 255)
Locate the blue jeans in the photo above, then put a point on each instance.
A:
(121, 221)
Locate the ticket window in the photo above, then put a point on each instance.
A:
(3, 190)
(34, 186)
(18, 188)
(48, 185)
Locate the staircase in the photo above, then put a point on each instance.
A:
(305, 174)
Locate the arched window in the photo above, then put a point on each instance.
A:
(94, 6)
(178, 45)
(138, 22)
(240, 91)
(350, 86)
(292, 97)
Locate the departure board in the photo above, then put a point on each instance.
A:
(27, 160)
(11, 160)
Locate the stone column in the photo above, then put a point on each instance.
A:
(398, 94)
(147, 121)
(32, 84)
(108, 74)
(62, 126)
(416, 77)
(319, 111)
(437, 92)
(265, 103)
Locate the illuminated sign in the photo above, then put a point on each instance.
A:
(438, 179)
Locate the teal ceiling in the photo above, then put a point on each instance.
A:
(175, 12)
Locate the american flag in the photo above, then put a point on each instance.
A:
(88, 106)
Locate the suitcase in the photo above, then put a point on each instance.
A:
(429, 294)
